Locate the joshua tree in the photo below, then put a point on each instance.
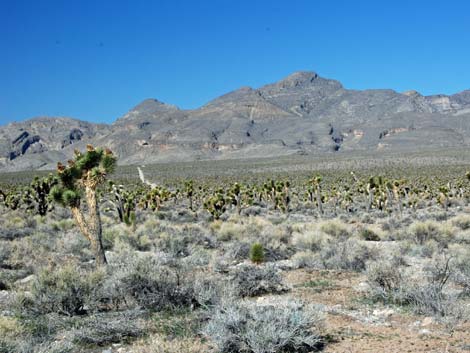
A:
(216, 204)
(125, 203)
(41, 187)
(79, 180)
(189, 191)
(315, 190)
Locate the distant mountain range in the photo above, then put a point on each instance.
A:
(301, 114)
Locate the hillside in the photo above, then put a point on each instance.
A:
(301, 114)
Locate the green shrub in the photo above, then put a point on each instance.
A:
(257, 253)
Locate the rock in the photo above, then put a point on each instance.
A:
(362, 287)
(385, 313)
(424, 332)
(427, 321)
(26, 280)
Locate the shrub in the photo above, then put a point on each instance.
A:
(463, 222)
(64, 291)
(265, 328)
(310, 240)
(257, 253)
(424, 231)
(430, 297)
(385, 280)
(335, 228)
(344, 255)
(149, 283)
(252, 280)
(369, 235)
(106, 328)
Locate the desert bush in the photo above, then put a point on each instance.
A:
(10, 328)
(64, 291)
(310, 240)
(105, 328)
(369, 235)
(335, 228)
(251, 280)
(428, 295)
(63, 225)
(149, 282)
(385, 280)
(5, 252)
(306, 259)
(264, 328)
(461, 276)
(422, 232)
(462, 222)
(347, 254)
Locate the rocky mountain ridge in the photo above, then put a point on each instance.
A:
(302, 113)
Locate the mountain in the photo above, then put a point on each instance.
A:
(302, 113)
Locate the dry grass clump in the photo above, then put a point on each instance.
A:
(461, 221)
(310, 240)
(335, 228)
(421, 232)
(159, 343)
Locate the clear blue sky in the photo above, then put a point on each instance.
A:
(94, 60)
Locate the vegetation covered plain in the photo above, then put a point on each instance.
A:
(260, 256)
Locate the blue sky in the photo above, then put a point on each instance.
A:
(94, 60)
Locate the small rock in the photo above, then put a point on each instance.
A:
(26, 280)
(383, 313)
(427, 321)
(424, 332)
(362, 287)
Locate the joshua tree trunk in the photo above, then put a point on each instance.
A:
(239, 204)
(94, 224)
(319, 202)
(370, 199)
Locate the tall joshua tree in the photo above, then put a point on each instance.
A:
(78, 181)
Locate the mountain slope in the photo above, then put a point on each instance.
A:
(302, 113)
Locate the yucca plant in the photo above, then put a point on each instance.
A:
(79, 181)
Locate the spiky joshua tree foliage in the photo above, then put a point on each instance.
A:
(78, 181)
